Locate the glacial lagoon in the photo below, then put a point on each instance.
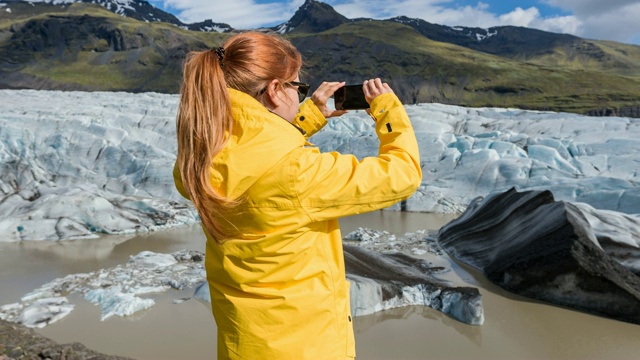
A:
(514, 327)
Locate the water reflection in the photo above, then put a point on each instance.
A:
(397, 223)
(470, 332)
(81, 250)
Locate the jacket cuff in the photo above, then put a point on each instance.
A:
(309, 118)
(389, 114)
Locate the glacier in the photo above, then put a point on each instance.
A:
(72, 168)
(79, 165)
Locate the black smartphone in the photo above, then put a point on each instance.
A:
(350, 97)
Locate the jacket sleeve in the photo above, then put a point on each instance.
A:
(177, 179)
(309, 118)
(332, 185)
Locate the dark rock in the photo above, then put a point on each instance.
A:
(209, 26)
(632, 111)
(20, 342)
(390, 275)
(312, 16)
(532, 245)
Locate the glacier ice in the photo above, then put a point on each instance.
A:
(117, 291)
(76, 164)
(113, 301)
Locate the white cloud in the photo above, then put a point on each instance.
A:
(435, 11)
(465, 16)
(604, 20)
(520, 17)
(531, 18)
(560, 24)
(586, 8)
(597, 19)
(620, 24)
(376, 9)
(440, 12)
(240, 14)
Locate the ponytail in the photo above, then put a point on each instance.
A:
(203, 121)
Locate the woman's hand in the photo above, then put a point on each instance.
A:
(375, 87)
(322, 95)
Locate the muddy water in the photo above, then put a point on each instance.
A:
(514, 328)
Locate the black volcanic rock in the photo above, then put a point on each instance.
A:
(209, 26)
(59, 36)
(532, 245)
(383, 277)
(313, 16)
(624, 111)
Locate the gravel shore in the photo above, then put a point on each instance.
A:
(19, 342)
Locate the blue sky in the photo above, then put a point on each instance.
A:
(594, 19)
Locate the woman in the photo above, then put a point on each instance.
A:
(269, 202)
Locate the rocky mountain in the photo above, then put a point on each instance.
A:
(86, 46)
(312, 17)
(135, 9)
(508, 41)
(536, 46)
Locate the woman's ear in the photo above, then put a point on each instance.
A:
(272, 97)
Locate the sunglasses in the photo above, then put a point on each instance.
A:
(303, 89)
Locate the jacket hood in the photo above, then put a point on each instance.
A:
(259, 139)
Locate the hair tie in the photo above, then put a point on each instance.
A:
(220, 52)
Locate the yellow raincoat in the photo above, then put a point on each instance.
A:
(278, 286)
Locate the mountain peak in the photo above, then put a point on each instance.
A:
(208, 26)
(313, 16)
(136, 9)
